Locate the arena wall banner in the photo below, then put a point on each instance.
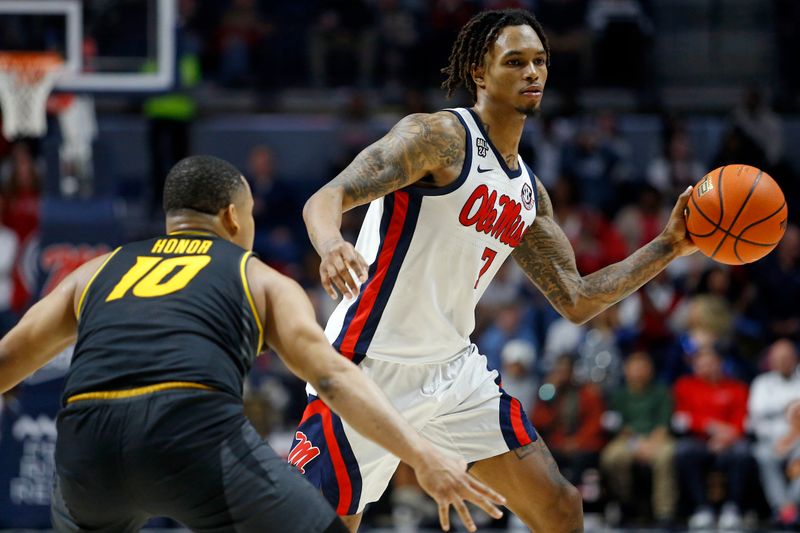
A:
(71, 234)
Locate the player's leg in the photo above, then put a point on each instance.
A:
(352, 521)
(490, 430)
(350, 470)
(89, 492)
(74, 519)
(535, 489)
(242, 485)
(195, 458)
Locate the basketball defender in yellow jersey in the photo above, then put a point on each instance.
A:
(166, 331)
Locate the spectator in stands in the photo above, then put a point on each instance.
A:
(508, 324)
(770, 395)
(594, 239)
(568, 416)
(699, 321)
(275, 202)
(754, 117)
(564, 23)
(621, 28)
(787, 38)
(645, 315)
(445, 20)
(789, 447)
(777, 278)
(22, 192)
(639, 223)
(711, 408)
(643, 409)
(276, 210)
(241, 37)
(546, 149)
(22, 195)
(169, 118)
(343, 30)
(400, 36)
(518, 359)
(677, 168)
(8, 255)
(594, 345)
(594, 166)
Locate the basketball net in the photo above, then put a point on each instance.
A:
(26, 79)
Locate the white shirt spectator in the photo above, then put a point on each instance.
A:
(770, 394)
(8, 255)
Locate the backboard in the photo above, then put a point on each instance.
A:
(107, 45)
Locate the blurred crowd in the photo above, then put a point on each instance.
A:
(687, 391)
(689, 387)
(401, 45)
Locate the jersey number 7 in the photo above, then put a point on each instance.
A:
(148, 274)
(488, 256)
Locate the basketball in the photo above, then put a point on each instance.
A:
(736, 214)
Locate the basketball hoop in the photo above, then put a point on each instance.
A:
(26, 79)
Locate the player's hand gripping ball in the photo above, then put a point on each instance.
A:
(737, 214)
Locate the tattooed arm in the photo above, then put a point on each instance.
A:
(547, 258)
(418, 145)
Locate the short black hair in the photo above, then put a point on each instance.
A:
(202, 183)
(474, 40)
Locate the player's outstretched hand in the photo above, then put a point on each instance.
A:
(447, 481)
(340, 261)
(675, 231)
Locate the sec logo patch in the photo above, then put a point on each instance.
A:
(527, 196)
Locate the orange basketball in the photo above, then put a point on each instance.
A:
(736, 214)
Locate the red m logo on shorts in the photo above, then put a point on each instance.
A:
(303, 452)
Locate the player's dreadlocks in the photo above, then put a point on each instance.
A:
(202, 183)
(474, 40)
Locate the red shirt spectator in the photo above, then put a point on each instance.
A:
(569, 420)
(707, 399)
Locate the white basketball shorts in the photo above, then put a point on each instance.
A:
(458, 405)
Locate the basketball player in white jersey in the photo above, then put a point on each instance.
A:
(450, 200)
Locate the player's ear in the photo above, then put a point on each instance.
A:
(230, 219)
(478, 72)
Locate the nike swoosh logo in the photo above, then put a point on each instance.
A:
(482, 170)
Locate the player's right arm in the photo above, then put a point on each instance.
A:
(46, 329)
(418, 145)
(292, 331)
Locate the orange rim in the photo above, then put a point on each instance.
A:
(30, 67)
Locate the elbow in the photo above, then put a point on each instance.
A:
(330, 381)
(308, 207)
(576, 314)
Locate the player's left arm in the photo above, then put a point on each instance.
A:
(547, 257)
(46, 329)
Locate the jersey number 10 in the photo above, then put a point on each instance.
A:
(148, 275)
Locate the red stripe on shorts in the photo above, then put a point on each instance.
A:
(517, 424)
(318, 407)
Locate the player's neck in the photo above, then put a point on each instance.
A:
(504, 127)
(181, 223)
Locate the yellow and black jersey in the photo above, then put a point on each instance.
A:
(170, 312)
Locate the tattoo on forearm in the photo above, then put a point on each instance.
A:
(416, 143)
(547, 258)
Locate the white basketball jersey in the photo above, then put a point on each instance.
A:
(432, 252)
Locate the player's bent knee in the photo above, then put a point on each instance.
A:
(568, 516)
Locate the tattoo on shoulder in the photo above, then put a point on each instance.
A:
(416, 145)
